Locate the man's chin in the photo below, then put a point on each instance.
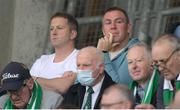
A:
(168, 77)
(19, 105)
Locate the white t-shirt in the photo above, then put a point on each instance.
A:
(45, 67)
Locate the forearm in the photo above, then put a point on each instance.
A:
(60, 84)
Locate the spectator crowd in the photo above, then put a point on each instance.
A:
(122, 72)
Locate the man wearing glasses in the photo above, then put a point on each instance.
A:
(23, 92)
(115, 43)
(145, 79)
(166, 56)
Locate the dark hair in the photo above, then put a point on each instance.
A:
(71, 20)
(118, 9)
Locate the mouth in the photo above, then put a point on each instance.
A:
(53, 38)
(166, 74)
(17, 102)
(115, 34)
(135, 73)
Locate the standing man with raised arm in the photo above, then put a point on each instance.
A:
(115, 43)
(49, 70)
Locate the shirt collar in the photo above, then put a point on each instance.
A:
(97, 87)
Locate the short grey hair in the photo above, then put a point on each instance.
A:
(145, 46)
(168, 38)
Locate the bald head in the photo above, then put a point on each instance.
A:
(165, 53)
(90, 58)
(92, 52)
(117, 96)
(169, 40)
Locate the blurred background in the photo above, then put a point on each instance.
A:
(24, 24)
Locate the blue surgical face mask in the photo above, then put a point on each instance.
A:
(85, 77)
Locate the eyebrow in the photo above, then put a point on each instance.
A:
(108, 19)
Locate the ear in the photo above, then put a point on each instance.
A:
(30, 83)
(73, 34)
(129, 28)
(128, 104)
(151, 65)
(101, 68)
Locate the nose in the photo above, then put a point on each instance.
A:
(14, 95)
(160, 68)
(81, 67)
(54, 31)
(113, 25)
(134, 65)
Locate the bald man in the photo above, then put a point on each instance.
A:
(117, 96)
(91, 74)
(166, 55)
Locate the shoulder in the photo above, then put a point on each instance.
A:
(74, 53)
(73, 91)
(51, 99)
(3, 100)
(108, 80)
(133, 41)
(50, 93)
(74, 88)
(43, 57)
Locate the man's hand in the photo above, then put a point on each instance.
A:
(70, 75)
(105, 43)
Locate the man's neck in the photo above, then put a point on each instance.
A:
(62, 53)
(142, 83)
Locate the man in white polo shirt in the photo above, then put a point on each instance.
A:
(49, 69)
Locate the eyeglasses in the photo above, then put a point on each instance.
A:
(130, 61)
(16, 92)
(164, 61)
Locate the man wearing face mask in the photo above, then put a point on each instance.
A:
(92, 78)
